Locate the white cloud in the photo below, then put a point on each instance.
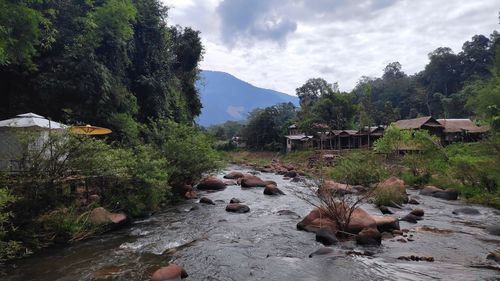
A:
(337, 40)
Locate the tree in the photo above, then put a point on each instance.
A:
(310, 92)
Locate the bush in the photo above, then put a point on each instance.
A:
(386, 196)
(8, 248)
(189, 152)
(361, 168)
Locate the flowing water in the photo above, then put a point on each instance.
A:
(212, 244)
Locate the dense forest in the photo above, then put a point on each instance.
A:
(463, 85)
(110, 63)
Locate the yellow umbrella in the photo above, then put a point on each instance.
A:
(89, 130)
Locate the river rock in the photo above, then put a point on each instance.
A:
(235, 200)
(211, 183)
(493, 229)
(206, 200)
(393, 185)
(330, 187)
(185, 190)
(252, 181)
(413, 201)
(466, 211)
(273, 190)
(411, 218)
(417, 212)
(287, 213)
(237, 208)
(101, 216)
(369, 236)
(385, 210)
(360, 220)
(316, 213)
(326, 237)
(448, 194)
(170, 272)
(230, 182)
(386, 223)
(428, 190)
(290, 174)
(321, 252)
(234, 175)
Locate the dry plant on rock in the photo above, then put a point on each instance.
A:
(334, 203)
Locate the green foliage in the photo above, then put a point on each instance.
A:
(226, 131)
(358, 168)
(386, 196)
(188, 151)
(8, 248)
(20, 32)
(266, 127)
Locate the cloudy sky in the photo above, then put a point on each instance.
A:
(279, 44)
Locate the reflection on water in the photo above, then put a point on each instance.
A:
(212, 244)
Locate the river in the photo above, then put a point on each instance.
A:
(263, 245)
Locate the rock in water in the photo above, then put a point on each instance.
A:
(170, 272)
(206, 200)
(234, 175)
(273, 190)
(252, 181)
(237, 208)
(369, 236)
(321, 252)
(101, 216)
(326, 237)
(466, 211)
(235, 200)
(211, 183)
(493, 229)
(417, 212)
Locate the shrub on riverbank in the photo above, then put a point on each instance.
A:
(358, 168)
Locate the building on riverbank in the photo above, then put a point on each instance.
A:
(11, 132)
(422, 123)
(461, 130)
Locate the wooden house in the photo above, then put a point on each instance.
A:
(423, 123)
(461, 130)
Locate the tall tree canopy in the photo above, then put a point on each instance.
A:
(115, 63)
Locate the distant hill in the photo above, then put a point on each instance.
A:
(225, 97)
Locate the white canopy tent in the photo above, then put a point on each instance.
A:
(10, 147)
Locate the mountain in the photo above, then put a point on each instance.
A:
(225, 97)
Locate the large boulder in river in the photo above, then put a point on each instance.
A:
(318, 219)
(237, 208)
(360, 219)
(394, 184)
(395, 187)
(386, 223)
(234, 175)
(316, 213)
(101, 216)
(273, 190)
(448, 194)
(252, 181)
(330, 187)
(211, 183)
(171, 272)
